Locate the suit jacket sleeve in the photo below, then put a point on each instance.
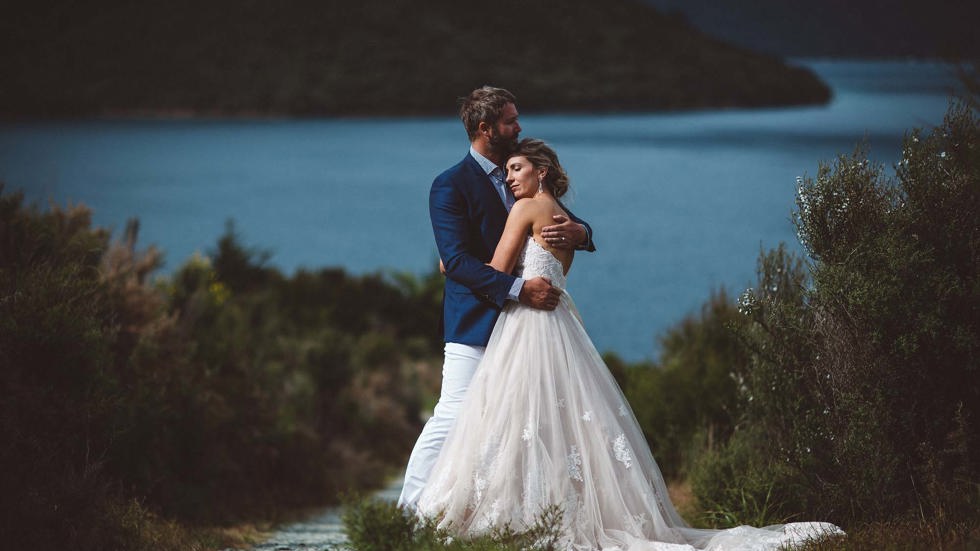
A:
(453, 231)
(589, 245)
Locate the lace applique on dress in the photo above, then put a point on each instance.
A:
(528, 433)
(536, 261)
(479, 484)
(621, 451)
(636, 522)
(587, 416)
(574, 460)
(488, 519)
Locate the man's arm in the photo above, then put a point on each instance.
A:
(449, 224)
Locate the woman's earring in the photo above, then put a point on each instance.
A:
(540, 185)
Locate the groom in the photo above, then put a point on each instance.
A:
(468, 205)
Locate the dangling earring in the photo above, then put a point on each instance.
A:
(541, 184)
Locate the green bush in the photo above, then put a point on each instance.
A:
(374, 525)
(224, 392)
(685, 402)
(734, 489)
(862, 393)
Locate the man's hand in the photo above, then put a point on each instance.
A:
(538, 293)
(565, 234)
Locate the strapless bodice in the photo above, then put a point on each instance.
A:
(535, 261)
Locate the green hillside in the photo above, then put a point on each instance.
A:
(329, 57)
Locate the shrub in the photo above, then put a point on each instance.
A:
(374, 525)
(224, 392)
(862, 393)
(685, 402)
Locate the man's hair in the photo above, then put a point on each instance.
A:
(483, 105)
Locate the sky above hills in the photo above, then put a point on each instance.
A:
(839, 28)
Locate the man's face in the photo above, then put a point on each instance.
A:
(504, 134)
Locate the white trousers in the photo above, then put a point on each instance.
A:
(459, 365)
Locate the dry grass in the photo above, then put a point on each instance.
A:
(902, 536)
(242, 536)
(896, 535)
(682, 496)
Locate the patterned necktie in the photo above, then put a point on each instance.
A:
(497, 175)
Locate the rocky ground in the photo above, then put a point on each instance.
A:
(321, 532)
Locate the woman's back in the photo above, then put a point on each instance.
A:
(541, 209)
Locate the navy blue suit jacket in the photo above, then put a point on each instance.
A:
(468, 219)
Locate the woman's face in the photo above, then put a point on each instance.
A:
(522, 177)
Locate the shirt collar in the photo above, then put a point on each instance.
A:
(484, 163)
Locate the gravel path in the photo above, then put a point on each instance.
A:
(321, 532)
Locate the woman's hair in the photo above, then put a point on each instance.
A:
(483, 105)
(541, 156)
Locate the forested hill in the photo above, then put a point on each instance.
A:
(393, 57)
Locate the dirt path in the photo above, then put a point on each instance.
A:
(321, 532)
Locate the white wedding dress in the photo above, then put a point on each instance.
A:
(544, 423)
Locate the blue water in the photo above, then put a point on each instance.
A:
(680, 203)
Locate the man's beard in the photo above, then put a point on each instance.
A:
(502, 146)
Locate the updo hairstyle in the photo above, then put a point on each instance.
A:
(541, 156)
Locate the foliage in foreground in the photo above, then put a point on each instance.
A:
(862, 399)
(909, 535)
(373, 525)
(225, 392)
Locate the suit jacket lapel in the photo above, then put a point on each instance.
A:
(485, 190)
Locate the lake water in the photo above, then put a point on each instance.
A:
(680, 203)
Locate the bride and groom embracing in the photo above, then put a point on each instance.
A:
(529, 416)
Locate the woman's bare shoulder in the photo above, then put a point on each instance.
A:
(527, 207)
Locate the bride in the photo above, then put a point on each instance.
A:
(544, 422)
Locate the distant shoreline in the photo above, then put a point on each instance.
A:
(190, 114)
(181, 114)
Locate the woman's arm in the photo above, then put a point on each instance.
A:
(519, 223)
